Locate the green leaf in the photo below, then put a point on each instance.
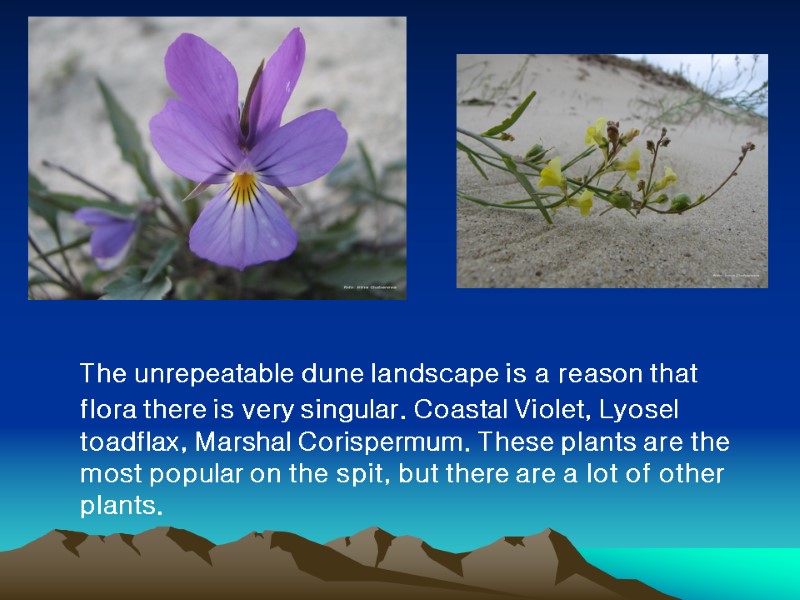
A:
(288, 286)
(512, 119)
(396, 165)
(181, 187)
(523, 180)
(339, 236)
(132, 286)
(511, 204)
(343, 174)
(466, 150)
(47, 211)
(128, 139)
(70, 203)
(41, 280)
(162, 260)
(42, 272)
(188, 289)
(578, 158)
(373, 179)
(74, 244)
(364, 271)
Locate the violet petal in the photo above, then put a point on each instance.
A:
(108, 240)
(111, 238)
(192, 147)
(112, 262)
(300, 151)
(275, 86)
(96, 216)
(238, 234)
(205, 80)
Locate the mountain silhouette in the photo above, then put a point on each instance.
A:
(167, 562)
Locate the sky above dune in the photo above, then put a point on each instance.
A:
(718, 73)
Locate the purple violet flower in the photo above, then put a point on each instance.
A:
(202, 137)
(112, 235)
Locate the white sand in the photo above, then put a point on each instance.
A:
(723, 243)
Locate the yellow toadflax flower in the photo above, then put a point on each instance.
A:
(631, 166)
(584, 202)
(669, 177)
(551, 175)
(594, 134)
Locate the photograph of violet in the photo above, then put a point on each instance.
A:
(260, 163)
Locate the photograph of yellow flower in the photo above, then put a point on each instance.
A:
(610, 172)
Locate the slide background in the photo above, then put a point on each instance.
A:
(743, 341)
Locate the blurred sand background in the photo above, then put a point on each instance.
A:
(354, 66)
(723, 243)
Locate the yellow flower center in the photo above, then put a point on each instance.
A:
(244, 186)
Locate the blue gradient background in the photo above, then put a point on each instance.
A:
(743, 341)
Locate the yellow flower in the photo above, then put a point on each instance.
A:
(594, 135)
(551, 175)
(628, 137)
(584, 202)
(669, 177)
(631, 165)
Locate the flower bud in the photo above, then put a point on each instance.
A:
(629, 137)
(148, 206)
(747, 148)
(680, 203)
(620, 199)
(613, 132)
(536, 152)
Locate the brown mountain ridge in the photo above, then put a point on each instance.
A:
(174, 563)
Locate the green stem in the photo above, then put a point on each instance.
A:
(576, 187)
(508, 159)
(69, 284)
(173, 217)
(580, 157)
(599, 171)
(528, 188)
(511, 204)
(652, 169)
(721, 185)
(475, 136)
(62, 249)
(86, 182)
(585, 184)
